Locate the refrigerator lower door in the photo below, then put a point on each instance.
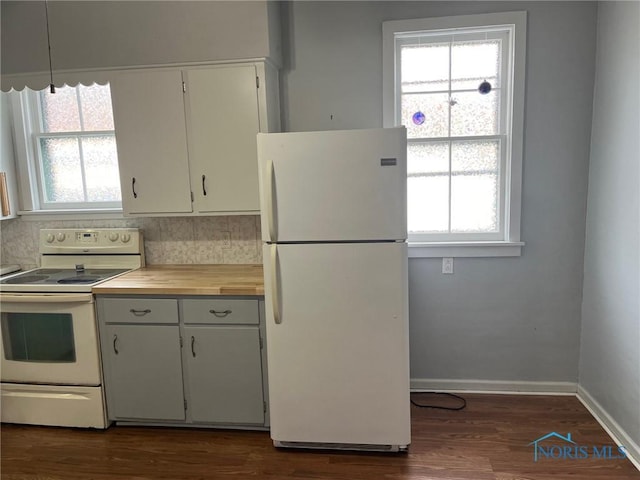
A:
(338, 346)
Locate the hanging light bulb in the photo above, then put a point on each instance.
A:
(52, 87)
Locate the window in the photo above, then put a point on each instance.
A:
(70, 148)
(456, 84)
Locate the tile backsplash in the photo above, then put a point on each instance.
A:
(167, 240)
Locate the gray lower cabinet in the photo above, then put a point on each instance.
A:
(145, 372)
(184, 360)
(224, 371)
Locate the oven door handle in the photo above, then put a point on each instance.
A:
(47, 298)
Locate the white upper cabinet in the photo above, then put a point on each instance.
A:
(222, 123)
(187, 137)
(148, 113)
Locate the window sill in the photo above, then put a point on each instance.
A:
(85, 214)
(464, 249)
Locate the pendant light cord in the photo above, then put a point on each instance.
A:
(46, 11)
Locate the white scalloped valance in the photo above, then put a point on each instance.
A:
(41, 80)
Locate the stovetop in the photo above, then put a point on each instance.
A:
(50, 280)
(73, 260)
(49, 276)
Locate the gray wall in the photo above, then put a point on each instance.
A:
(128, 33)
(610, 350)
(496, 318)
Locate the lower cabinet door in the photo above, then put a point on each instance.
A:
(143, 375)
(224, 374)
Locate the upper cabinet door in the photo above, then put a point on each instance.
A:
(148, 111)
(223, 121)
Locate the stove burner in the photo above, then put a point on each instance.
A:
(26, 279)
(79, 279)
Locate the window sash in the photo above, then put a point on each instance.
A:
(33, 120)
(41, 171)
(501, 189)
(505, 34)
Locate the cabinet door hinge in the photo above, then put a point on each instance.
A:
(264, 407)
(185, 403)
(184, 87)
(257, 82)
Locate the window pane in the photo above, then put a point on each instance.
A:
(101, 168)
(474, 114)
(432, 157)
(428, 204)
(61, 170)
(60, 110)
(434, 107)
(475, 155)
(474, 186)
(473, 62)
(95, 103)
(425, 68)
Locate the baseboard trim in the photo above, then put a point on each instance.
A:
(615, 431)
(493, 386)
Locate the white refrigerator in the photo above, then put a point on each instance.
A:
(334, 229)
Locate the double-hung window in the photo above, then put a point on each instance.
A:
(456, 84)
(68, 145)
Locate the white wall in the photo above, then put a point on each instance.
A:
(610, 348)
(499, 319)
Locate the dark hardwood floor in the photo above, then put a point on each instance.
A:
(487, 440)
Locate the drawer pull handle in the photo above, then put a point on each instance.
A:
(220, 314)
(115, 347)
(140, 313)
(193, 350)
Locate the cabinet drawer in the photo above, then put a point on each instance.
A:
(140, 310)
(221, 311)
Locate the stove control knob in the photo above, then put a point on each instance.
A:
(61, 236)
(113, 236)
(50, 238)
(125, 237)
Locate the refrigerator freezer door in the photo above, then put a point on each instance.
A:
(339, 356)
(343, 185)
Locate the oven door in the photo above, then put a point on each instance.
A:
(49, 339)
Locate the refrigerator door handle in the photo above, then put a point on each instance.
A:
(270, 213)
(274, 285)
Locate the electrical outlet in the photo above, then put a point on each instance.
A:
(226, 240)
(447, 265)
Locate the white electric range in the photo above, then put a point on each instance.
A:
(50, 357)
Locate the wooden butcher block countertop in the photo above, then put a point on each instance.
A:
(187, 280)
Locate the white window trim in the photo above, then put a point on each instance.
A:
(511, 245)
(22, 105)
